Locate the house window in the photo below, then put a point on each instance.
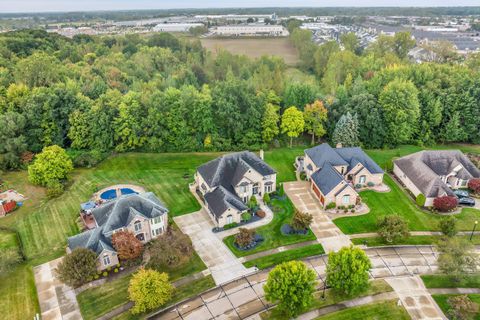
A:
(268, 189)
(106, 260)
(229, 219)
(137, 225)
(363, 179)
(346, 199)
(243, 189)
(245, 199)
(157, 232)
(156, 220)
(464, 183)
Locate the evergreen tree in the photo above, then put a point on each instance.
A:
(346, 131)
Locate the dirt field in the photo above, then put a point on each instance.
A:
(255, 48)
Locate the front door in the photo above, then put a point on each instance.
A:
(140, 237)
(229, 219)
(255, 188)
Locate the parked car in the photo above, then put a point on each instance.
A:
(461, 193)
(466, 201)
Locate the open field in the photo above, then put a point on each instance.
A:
(255, 47)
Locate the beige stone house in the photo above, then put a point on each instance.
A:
(335, 172)
(227, 183)
(434, 173)
(142, 214)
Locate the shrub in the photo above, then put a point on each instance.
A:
(474, 185)
(230, 226)
(54, 189)
(244, 237)
(280, 190)
(351, 206)
(420, 200)
(389, 166)
(96, 277)
(392, 228)
(105, 274)
(448, 226)
(115, 270)
(445, 203)
(303, 176)
(266, 198)
(149, 289)
(352, 211)
(87, 159)
(246, 216)
(370, 184)
(252, 203)
(77, 267)
(127, 245)
(261, 213)
(301, 220)
(462, 308)
(331, 205)
(358, 186)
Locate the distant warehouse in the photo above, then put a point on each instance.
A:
(175, 27)
(251, 30)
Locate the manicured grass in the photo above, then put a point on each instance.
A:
(444, 281)
(332, 297)
(412, 240)
(273, 237)
(398, 202)
(442, 301)
(97, 301)
(379, 310)
(282, 161)
(8, 240)
(293, 254)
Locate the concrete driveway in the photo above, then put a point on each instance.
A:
(327, 233)
(223, 265)
(57, 301)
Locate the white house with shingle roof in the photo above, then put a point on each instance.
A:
(228, 182)
(142, 214)
(434, 173)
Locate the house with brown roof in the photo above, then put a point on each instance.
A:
(334, 173)
(227, 183)
(434, 173)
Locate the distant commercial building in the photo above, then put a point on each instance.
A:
(176, 27)
(251, 30)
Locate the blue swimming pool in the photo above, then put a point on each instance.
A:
(112, 193)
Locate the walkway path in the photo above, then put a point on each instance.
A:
(57, 300)
(327, 233)
(244, 297)
(415, 298)
(221, 262)
(454, 290)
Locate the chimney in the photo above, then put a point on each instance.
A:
(261, 154)
(339, 145)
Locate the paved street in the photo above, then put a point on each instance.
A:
(221, 262)
(245, 297)
(327, 233)
(57, 301)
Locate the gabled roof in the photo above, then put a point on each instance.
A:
(228, 170)
(220, 199)
(323, 153)
(355, 155)
(424, 169)
(116, 214)
(327, 178)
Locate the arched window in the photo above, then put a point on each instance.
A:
(137, 225)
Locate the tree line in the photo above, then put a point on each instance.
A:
(160, 93)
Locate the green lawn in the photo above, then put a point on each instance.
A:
(444, 281)
(331, 298)
(282, 161)
(412, 240)
(442, 301)
(398, 202)
(379, 310)
(293, 254)
(97, 301)
(273, 237)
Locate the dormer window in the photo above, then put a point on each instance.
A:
(137, 225)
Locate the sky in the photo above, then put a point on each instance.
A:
(92, 5)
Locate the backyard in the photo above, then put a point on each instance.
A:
(283, 212)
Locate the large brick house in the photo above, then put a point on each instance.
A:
(142, 214)
(227, 183)
(434, 173)
(335, 172)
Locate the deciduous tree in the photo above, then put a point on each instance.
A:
(291, 285)
(292, 123)
(347, 270)
(392, 228)
(149, 289)
(77, 267)
(50, 166)
(457, 257)
(127, 245)
(301, 220)
(315, 115)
